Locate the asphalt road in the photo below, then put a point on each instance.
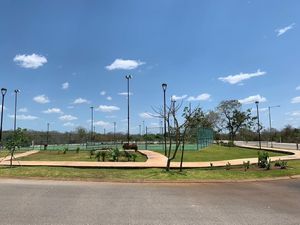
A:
(55, 202)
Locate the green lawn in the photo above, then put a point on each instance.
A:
(71, 156)
(216, 152)
(4, 153)
(126, 175)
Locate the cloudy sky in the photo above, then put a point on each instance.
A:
(66, 57)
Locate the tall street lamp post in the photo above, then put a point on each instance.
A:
(47, 141)
(270, 123)
(164, 87)
(258, 124)
(115, 132)
(92, 122)
(16, 101)
(128, 77)
(15, 125)
(3, 92)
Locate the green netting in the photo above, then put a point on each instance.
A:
(205, 137)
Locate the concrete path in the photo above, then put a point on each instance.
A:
(19, 155)
(155, 160)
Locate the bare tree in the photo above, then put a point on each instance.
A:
(177, 131)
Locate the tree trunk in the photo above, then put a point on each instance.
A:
(168, 165)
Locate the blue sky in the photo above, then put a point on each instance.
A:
(66, 56)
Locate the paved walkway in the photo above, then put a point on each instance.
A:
(155, 160)
(18, 155)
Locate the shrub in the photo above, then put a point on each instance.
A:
(103, 155)
(77, 150)
(65, 150)
(268, 166)
(277, 163)
(263, 158)
(97, 155)
(246, 165)
(92, 152)
(283, 165)
(134, 156)
(115, 154)
(127, 155)
(228, 166)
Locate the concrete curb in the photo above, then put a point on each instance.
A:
(138, 181)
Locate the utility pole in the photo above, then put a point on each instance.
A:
(128, 77)
(47, 141)
(270, 123)
(258, 124)
(164, 87)
(92, 122)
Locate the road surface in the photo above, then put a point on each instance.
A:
(58, 202)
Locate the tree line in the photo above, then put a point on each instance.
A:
(228, 121)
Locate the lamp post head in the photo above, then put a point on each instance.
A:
(17, 91)
(3, 91)
(164, 86)
(128, 77)
(256, 102)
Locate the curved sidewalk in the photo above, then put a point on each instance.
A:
(292, 155)
(155, 160)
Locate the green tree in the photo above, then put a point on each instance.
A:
(232, 118)
(16, 140)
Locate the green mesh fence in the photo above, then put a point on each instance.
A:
(205, 137)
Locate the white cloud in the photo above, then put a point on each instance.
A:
(30, 61)
(146, 115)
(80, 101)
(42, 99)
(237, 78)
(252, 99)
(24, 117)
(121, 64)
(101, 123)
(109, 98)
(294, 114)
(295, 99)
(281, 31)
(103, 93)
(65, 85)
(125, 93)
(202, 97)
(176, 98)
(69, 124)
(68, 118)
(298, 88)
(107, 108)
(53, 110)
(24, 110)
